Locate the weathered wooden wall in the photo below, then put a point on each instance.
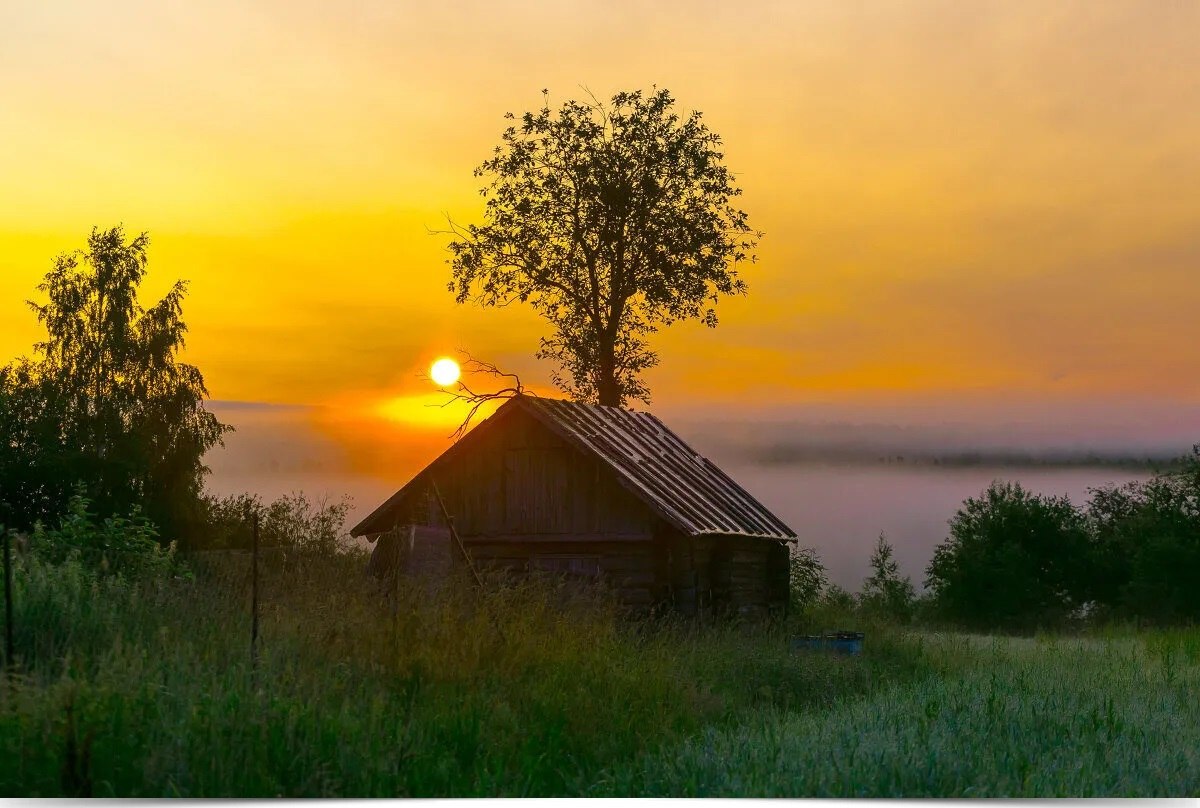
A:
(628, 567)
(414, 549)
(522, 498)
(745, 574)
(724, 574)
(520, 481)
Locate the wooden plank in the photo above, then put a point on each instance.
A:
(624, 563)
(635, 597)
(600, 550)
(636, 578)
(583, 538)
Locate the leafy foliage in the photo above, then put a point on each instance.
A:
(1013, 560)
(807, 578)
(126, 546)
(1148, 545)
(885, 594)
(105, 401)
(837, 601)
(610, 221)
(292, 522)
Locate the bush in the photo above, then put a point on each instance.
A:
(1148, 545)
(293, 523)
(1014, 560)
(807, 579)
(117, 545)
(72, 584)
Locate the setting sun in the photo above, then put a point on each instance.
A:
(444, 371)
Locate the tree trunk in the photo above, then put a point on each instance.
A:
(608, 392)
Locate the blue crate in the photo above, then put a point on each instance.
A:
(847, 643)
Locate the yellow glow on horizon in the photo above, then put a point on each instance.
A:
(444, 372)
(427, 411)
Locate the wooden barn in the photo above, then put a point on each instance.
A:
(597, 492)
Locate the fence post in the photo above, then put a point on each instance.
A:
(254, 596)
(8, 599)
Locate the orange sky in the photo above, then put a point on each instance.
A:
(961, 200)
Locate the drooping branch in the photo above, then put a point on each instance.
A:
(470, 366)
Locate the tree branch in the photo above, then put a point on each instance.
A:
(472, 366)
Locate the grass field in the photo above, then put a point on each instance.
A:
(1005, 717)
(148, 690)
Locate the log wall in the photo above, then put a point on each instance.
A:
(627, 566)
(522, 499)
(521, 480)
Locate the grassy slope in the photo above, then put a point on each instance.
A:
(128, 691)
(134, 691)
(1007, 717)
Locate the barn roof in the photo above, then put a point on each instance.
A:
(652, 462)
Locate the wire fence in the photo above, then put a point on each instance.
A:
(8, 599)
(260, 570)
(268, 586)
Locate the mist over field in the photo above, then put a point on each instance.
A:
(838, 475)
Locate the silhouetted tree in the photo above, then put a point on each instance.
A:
(1148, 545)
(1013, 560)
(105, 400)
(611, 221)
(885, 593)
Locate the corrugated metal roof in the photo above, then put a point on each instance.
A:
(655, 464)
(652, 462)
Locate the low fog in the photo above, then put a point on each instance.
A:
(838, 475)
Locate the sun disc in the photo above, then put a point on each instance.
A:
(444, 371)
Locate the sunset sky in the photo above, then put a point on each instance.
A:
(963, 202)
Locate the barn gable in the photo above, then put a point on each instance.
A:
(636, 449)
(514, 476)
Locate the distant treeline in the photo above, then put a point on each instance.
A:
(794, 455)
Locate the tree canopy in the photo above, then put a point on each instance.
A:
(611, 220)
(1148, 545)
(1013, 559)
(105, 400)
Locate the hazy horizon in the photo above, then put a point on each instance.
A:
(838, 507)
(307, 437)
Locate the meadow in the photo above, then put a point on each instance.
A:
(149, 689)
(1052, 716)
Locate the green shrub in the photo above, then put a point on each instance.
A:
(807, 579)
(1148, 545)
(293, 523)
(885, 595)
(1014, 560)
(117, 545)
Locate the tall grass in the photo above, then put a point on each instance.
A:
(522, 689)
(1005, 717)
(146, 689)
